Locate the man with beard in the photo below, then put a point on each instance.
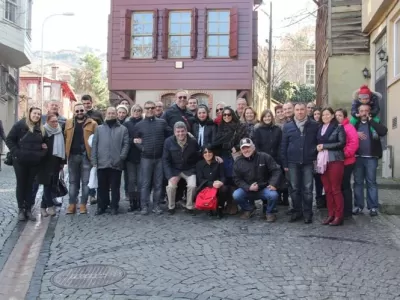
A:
(77, 149)
(110, 149)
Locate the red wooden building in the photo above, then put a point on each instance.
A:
(206, 47)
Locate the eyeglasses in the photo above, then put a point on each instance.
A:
(227, 115)
(137, 110)
(150, 108)
(182, 97)
(219, 109)
(79, 111)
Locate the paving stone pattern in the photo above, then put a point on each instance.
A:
(184, 257)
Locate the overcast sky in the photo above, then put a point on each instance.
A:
(89, 25)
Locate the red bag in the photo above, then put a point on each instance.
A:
(207, 199)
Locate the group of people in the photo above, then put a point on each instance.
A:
(178, 152)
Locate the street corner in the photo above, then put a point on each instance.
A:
(130, 256)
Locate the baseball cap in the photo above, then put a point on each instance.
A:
(246, 142)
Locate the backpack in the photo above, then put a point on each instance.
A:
(207, 199)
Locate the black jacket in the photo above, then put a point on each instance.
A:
(210, 132)
(2, 135)
(153, 132)
(259, 168)
(26, 146)
(96, 115)
(268, 138)
(381, 130)
(134, 152)
(175, 114)
(333, 140)
(177, 159)
(206, 173)
(297, 147)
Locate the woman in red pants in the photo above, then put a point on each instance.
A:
(330, 164)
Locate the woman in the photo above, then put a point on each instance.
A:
(320, 198)
(204, 130)
(52, 164)
(133, 159)
(210, 173)
(27, 144)
(230, 132)
(280, 119)
(267, 138)
(330, 163)
(350, 149)
(219, 108)
(249, 118)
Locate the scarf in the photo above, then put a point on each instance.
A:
(59, 144)
(300, 123)
(181, 143)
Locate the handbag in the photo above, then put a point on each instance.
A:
(9, 159)
(93, 183)
(61, 187)
(207, 199)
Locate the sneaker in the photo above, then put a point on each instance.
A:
(357, 210)
(373, 212)
(51, 211)
(144, 211)
(271, 218)
(92, 200)
(29, 215)
(157, 210)
(44, 213)
(21, 216)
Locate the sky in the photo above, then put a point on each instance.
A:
(89, 25)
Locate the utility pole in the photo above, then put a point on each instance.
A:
(269, 76)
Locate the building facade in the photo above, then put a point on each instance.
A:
(157, 48)
(15, 52)
(381, 22)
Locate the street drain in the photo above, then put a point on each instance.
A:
(88, 277)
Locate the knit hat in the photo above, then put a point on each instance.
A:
(123, 107)
(364, 92)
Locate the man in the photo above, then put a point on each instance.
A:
(96, 115)
(150, 135)
(310, 109)
(110, 149)
(241, 104)
(159, 109)
(288, 110)
(192, 106)
(181, 153)
(53, 108)
(256, 174)
(299, 151)
(369, 130)
(78, 152)
(2, 138)
(178, 111)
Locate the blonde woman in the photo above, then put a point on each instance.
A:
(27, 142)
(249, 118)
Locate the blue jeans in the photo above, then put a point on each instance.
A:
(79, 172)
(151, 172)
(365, 170)
(246, 199)
(301, 180)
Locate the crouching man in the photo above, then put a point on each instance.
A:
(257, 176)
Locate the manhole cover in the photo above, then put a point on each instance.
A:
(88, 276)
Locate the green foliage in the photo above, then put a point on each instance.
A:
(289, 91)
(87, 79)
(304, 93)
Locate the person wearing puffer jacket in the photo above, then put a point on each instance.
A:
(349, 150)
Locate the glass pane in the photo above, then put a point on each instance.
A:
(148, 29)
(224, 16)
(148, 41)
(212, 51)
(186, 17)
(174, 51)
(212, 16)
(212, 27)
(224, 40)
(137, 29)
(213, 40)
(185, 40)
(174, 17)
(175, 29)
(224, 51)
(174, 41)
(223, 27)
(147, 17)
(137, 41)
(185, 28)
(185, 52)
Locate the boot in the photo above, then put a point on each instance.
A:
(133, 202)
(285, 198)
(336, 222)
(71, 209)
(328, 220)
(21, 215)
(30, 216)
(220, 212)
(83, 209)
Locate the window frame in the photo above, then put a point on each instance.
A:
(305, 72)
(7, 12)
(190, 12)
(208, 34)
(396, 48)
(154, 32)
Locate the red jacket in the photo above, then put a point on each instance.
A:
(352, 143)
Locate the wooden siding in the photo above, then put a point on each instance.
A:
(345, 22)
(199, 72)
(321, 54)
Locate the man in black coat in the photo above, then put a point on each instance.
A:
(257, 176)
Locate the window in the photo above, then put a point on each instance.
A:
(310, 72)
(180, 27)
(168, 100)
(397, 48)
(201, 99)
(32, 91)
(218, 33)
(11, 10)
(142, 34)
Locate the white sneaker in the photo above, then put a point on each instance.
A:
(43, 212)
(51, 211)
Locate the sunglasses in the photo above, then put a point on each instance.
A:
(150, 108)
(79, 111)
(219, 109)
(137, 110)
(227, 115)
(182, 97)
